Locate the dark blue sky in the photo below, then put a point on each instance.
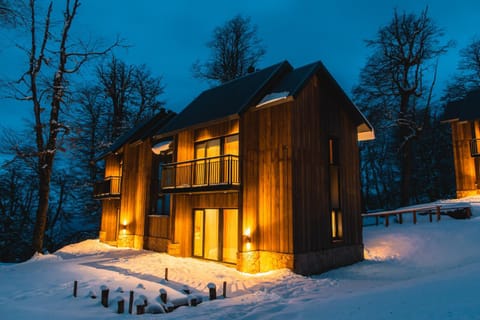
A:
(169, 36)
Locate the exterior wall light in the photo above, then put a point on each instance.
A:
(247, 238)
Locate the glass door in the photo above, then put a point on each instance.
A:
(230, 235)
(198, 217)
(215, 234)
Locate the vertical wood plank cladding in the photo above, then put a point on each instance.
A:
(158, 226)
(137, 162)
(109, 222)
(185, 146)
(249, 136)
(318, 114)
(465, 176)
(112, 166)
(266, 176)
(217, 130)
(311, 212)
(184, 205)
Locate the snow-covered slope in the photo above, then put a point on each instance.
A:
(423, 271)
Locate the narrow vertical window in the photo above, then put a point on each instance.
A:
(334, 175)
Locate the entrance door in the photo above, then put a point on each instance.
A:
(215, 234)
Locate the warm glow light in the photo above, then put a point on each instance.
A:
(247, 238)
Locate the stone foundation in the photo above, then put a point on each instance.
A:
(156, 244)
(125, 240)
(102, 236)
(321, 261)
(262, 261)
(173, 249)
(304, 263)
(467, 193)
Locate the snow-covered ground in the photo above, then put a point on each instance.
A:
(422, 271)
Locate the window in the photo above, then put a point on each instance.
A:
(215, 168)
(163, 205)
(334, 175)
(215, 234)
(160, 202)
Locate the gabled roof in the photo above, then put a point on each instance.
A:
(277, 82)
(143, 130)
(465, 109)
(228, 99)
(293, 82)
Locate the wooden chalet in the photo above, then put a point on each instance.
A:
(261, 172)
(464, 118)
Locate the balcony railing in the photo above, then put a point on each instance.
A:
(214, 173)
(108, 188)
(475, 147)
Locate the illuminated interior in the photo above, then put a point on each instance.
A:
(207, 242)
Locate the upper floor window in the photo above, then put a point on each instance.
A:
(334, 175)
(216, 168)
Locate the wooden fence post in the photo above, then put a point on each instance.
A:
(104, 301)
(414, 217)
(386, 220)
(75, 286)
(163, 295)
(224, 289)
(438, 213)
(212, 288)
(130, 302)
(166, 274)
(120, 305)
(140, 304)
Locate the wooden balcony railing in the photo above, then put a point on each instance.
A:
(214, 173)
(108, 188)
(475, 147)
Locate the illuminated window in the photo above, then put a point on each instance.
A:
(215, 234)
(216, 167)
(334, 175)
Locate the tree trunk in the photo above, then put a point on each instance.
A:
(42, 210)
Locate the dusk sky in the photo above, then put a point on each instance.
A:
(169, 36)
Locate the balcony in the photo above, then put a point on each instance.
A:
(207, 174)
(109, 188)
(475, 147)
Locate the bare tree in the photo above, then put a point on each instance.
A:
(235, 50)
(12, 13)
(45, 84)
(468, 73)
(404, 52)
(132, 95)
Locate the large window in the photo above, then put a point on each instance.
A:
(215, 168)
(334, 175)
(215, 234)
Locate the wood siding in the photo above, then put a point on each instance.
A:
(218, 130)
(110, 207)
(465, 175)
(135, 194)
(318, 108)
(109, 224)
(266, 171)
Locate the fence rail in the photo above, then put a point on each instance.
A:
(107, 188)
(201, 173)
